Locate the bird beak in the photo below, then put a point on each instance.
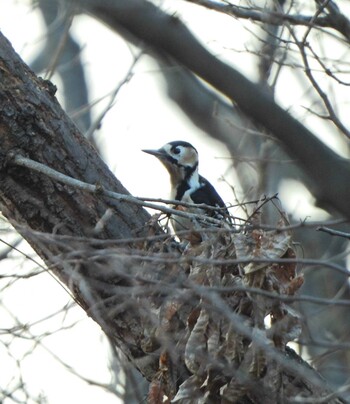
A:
(158, 153)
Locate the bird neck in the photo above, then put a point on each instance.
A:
(191, 176)
(189, 180)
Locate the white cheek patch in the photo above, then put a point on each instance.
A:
(189, 157)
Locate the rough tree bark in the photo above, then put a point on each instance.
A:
(32, 124)
(64, 226)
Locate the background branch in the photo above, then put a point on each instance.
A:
(144, 20)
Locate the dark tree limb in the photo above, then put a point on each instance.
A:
(62, 54)
(170, 35)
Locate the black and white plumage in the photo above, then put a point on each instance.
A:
(181, 160)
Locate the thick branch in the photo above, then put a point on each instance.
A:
(170, 35)
(61, 50)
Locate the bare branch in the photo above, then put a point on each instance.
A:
(97, 189)
(334, 232)
(335, 19)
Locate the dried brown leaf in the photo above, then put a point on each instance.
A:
(155, 393)
(195, 350)
(286, 328)
(261, 245)
(189, 391)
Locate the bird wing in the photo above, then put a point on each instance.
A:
(207, 194)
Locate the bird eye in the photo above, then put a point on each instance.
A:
(176, 150)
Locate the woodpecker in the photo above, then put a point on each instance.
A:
(181, 160)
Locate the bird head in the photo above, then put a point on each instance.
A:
(180, 159)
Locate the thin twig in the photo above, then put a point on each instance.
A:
(333, 232)
(336, 20)
(302, 45)
(97, 189)
(113, 96)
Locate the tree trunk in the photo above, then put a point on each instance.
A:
(32, 124)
